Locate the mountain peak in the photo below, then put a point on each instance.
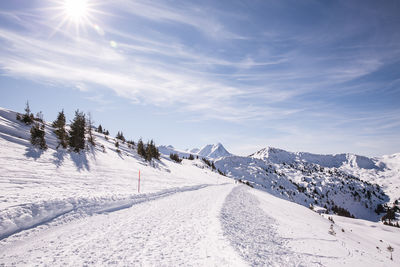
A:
(214, 151)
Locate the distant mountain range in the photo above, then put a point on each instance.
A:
(277, 155)
(207, 151)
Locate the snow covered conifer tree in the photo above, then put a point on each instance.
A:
(120, 136)
(77, 132)
(37, 136)
(152, 151)
(28, 116)
(140, 148)
(60, 131)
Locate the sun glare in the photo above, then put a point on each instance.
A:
(76, 10)
(78, 14)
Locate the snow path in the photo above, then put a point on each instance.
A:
(251, 231)
(26, 216)
(180, 229)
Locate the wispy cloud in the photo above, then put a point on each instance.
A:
(214, 64)
(135, 71)
(184, 13)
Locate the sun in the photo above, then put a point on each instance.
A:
(76, 14)
(76, 10)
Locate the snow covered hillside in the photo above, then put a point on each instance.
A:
(308, 185)
(58, 207)
(39, 185)
(384, 171)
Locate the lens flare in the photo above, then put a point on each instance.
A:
(113, 44)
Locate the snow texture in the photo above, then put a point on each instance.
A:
(59, 207)
(252, 232)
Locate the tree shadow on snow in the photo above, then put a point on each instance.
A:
(59, 156)
(80, 160)
(93, 151)
(33, 152)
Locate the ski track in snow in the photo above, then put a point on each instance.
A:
(180, 229)
(251, 231)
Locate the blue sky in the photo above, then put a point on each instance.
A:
(317, 76)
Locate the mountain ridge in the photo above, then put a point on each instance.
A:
(277, 155)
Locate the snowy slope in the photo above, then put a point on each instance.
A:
(62, 208)
(258, 225)
(40, 185)
(193, 150)
(388, 175)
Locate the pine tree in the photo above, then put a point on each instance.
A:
(120, 136)
(155, 152)
(100, 129)
(148, 152)
(152, 151)
(89, 124)
(60, 131)
(140, 149)
(175, 157)
(37, 136)
(213, 166)
(77, 132)
(28, 116)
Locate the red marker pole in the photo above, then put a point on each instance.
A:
(138, 189)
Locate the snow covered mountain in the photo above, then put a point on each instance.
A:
(379, 170)
(193, 150)
(276, 155)
(352, 183)
(214, 151)
(58, 207)
(208, 151)
(308, 185)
